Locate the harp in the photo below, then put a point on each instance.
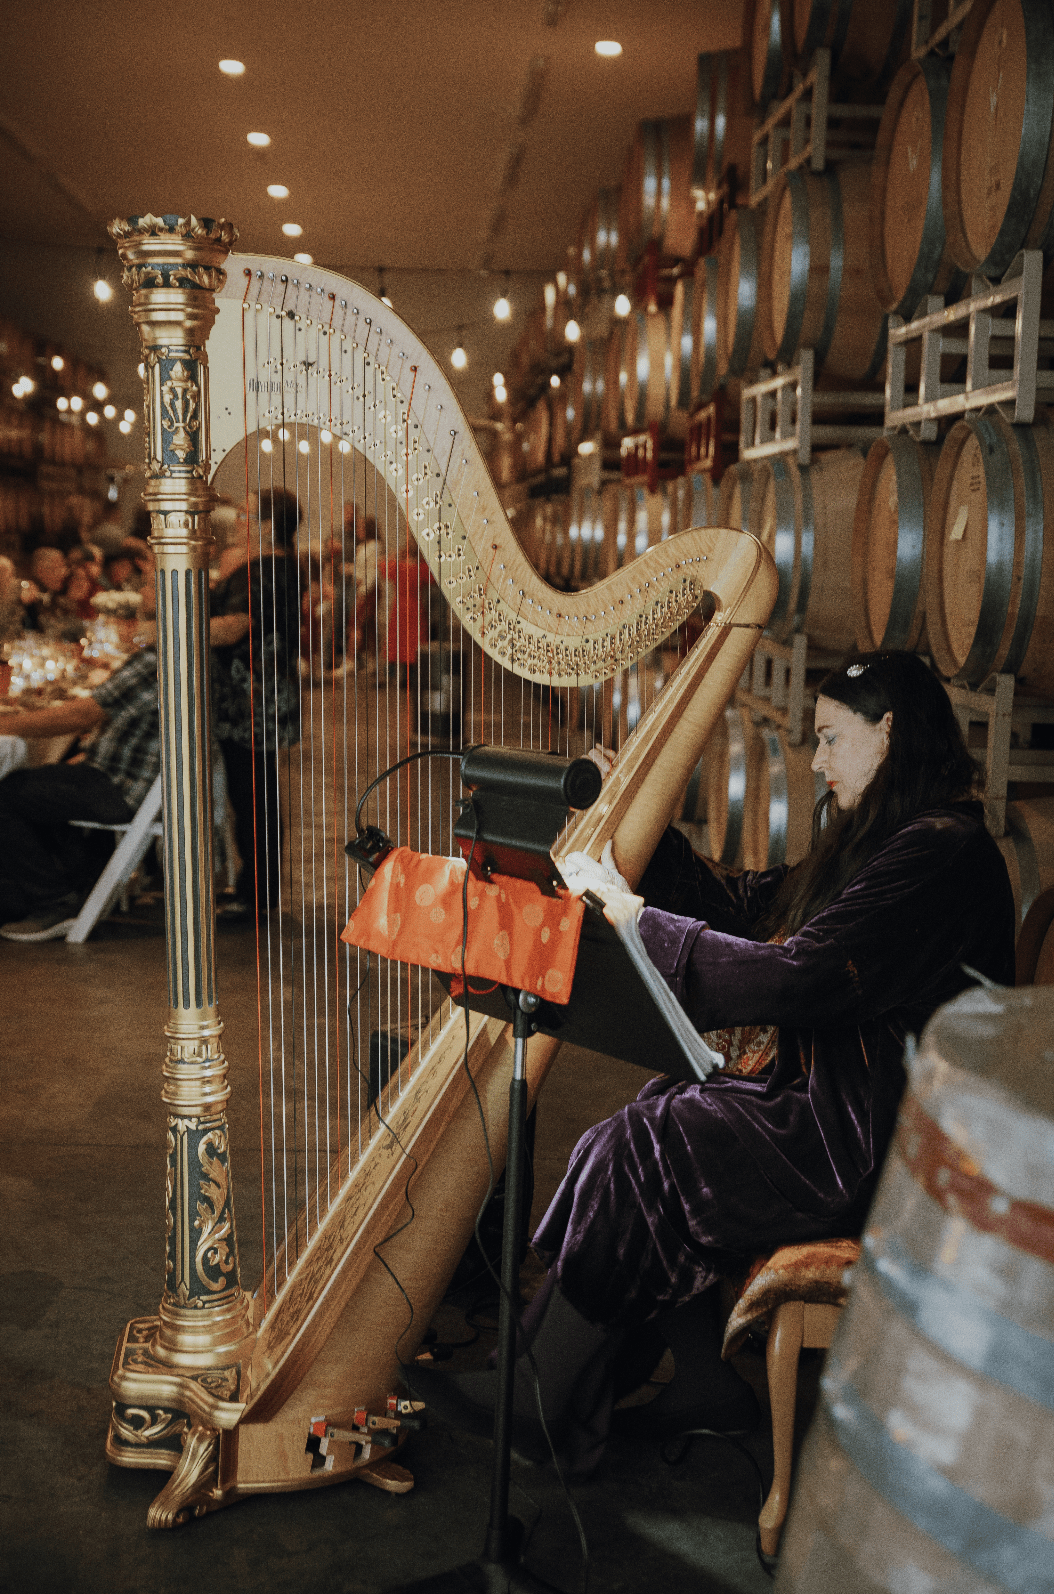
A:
(256, 377)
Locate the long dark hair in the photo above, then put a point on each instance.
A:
(927, 766)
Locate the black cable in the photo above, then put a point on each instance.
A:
(411, 758)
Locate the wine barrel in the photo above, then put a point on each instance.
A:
(998, 170)
(694, 501)
(770, 66)
(889, 544)
(649, 518)
(616, 515)
(910, 256)
(866, 41)
(649, 375)
(599, 242)
(656, 204)
(815, 270)
(682, 319)
(989, 558)
(703, 378)
(739, 340)
(1028, 850)
(804, 516)
(929, 1462)
(782, 792)
(733, 746)
(586, 535)
(724, 125)
(1035, 942)
(585, 400)
(536, 437)
(611, 400)
(733, 505)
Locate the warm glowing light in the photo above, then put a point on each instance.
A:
(91, 418)
(622, 305)
(498, 379)
(141, 368)
(16, 388)
(385, 300)
(232, 68)
(459, 359)
(278, 191)
(326, 437)
(110, 412)
(501, 394)
(283, 434)
(100, 391)
(123, 426)
(62, 403)
(76, 403)
(292, 229)
(57, 362)
(28, 384)
(304, 446)
(572, 332)
(259, 140)
(608, 47)
(129, 416)
(102, 291)
(502, 309)
(266, 446)
(345, 447)
(305, 260)
(554, 380)
(587, 448)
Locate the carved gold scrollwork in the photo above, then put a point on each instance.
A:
(214, 1221)
(179, 410)
(208, 277)
(138, 276)
(136, 1425)
(190, 1483)
(220, 232)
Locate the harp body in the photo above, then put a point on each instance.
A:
(220, 1386)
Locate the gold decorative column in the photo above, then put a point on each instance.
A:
(192, 1352)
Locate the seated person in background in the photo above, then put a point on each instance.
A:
(83, 581)
(256, 689)
(11, 616)
(810, 979)
(42, 594)
(132, 567)
(46, 866)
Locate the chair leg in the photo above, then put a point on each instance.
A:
(783, 1351)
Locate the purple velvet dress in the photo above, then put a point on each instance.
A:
(691, 1179)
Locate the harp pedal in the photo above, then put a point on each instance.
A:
(331, 1446)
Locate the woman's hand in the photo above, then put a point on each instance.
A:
(582, 873)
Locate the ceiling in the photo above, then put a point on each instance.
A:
(449, 143)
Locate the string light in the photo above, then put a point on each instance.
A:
(326, 437)
(91, 418)
(266, 446)
(554, 380)
(57, 362)
(501, 394)
(124, 426)
(459, 359)
(100, 391)
(572, 331)
(344, 446)
(76, 403)
(232, 68)
(304, 446)
(129, 416)
(622, 305)
(278, 191)
(110, 412)
(292, 229)
(498, 379)
(62, 403)
(259, 140)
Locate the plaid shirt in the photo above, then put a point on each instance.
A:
(128, 748)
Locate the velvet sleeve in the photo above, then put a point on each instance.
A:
(935, 896)
(679, 881)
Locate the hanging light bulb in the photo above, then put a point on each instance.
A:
(572, 331)
(102, 290)
(554, 380)
(100, 391)
(129, 416)
(57, 362)
(266, 445)
(502, 305)
(498, 379)
(91, 418)
(622, 305)
(382, 291)
(501, 393)
(76, 403)
(62, 403)
(124, 426)
(459, 359)
(110, 412)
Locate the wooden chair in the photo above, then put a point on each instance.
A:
(799, 1291)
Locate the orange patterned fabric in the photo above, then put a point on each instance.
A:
(813, 1272)
(412, 912)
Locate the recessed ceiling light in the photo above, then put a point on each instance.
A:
(305, 260)
(292, 229)
(102, 291)
(259, 140)
(278, 191)
(232, 68)
(608, 47)
(110, 412)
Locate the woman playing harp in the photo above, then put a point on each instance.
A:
(833, 964)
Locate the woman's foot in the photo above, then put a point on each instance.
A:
(704, 1392)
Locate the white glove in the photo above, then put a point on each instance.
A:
(582, 873)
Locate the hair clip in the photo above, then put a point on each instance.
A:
(856, 669)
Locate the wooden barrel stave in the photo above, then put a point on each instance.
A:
(866, 41)
(739, 336)
(682, 321)
(889, 544)
(782, 792)
(703, 378)
(804, 516)
(1028, 850)
(733, 508)
(694, 500)
(723, 126)
(727, 756)
(931, 1462)
(656, 204)
(910, 255)
(770, 66)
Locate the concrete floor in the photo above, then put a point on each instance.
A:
(82, 1179)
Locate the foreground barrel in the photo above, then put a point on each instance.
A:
(1028, 850)
(910, 255)
(930, 1463)
(816, 289)
(990, 560)
(889, 543)
(804, 516)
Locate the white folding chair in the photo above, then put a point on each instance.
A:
(136, 836)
